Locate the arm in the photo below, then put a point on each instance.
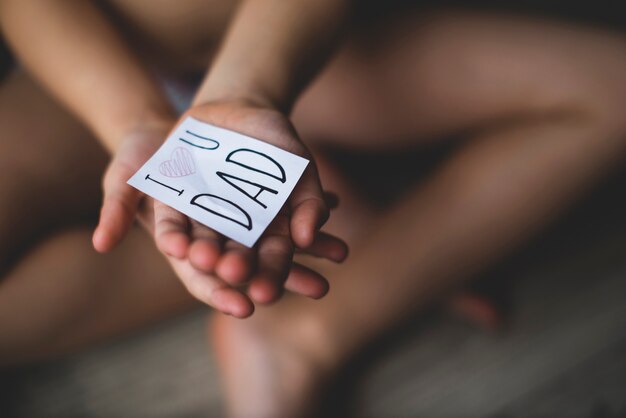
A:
(272, 50)
(71, 49)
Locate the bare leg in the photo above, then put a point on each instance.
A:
(63, 295)
(532, 150)
(44, 185)
(56, 292)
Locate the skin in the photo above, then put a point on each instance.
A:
(87, 65)
(538, 104)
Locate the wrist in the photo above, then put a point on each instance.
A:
(153, 122)
(253, 94)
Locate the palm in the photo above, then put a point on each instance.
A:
(212, 267)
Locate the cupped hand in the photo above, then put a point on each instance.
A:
(216, 270)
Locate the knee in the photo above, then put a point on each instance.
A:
(588, 87)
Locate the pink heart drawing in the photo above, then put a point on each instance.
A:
(180, 164)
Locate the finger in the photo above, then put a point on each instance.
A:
(274, 257)
(308, 208)
(327, 246)
(206, 248)
(306, 282)
(171, 230)
(236, 264)
(118, 209)
(212, 291)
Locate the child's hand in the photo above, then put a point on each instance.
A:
(208, 263)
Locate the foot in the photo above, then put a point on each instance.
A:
(273, 364)
(478, 310)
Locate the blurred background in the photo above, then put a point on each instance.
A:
(562, 351)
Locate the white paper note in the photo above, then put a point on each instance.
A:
(227, 181)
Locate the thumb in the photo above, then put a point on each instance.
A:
(309, 210)
(118, 211)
